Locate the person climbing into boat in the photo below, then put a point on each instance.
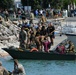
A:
(23, 38)
(50, 31)
(18, 68)
(3, 70)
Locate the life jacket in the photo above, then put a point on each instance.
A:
(34, 49)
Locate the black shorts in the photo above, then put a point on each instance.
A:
(51, 36)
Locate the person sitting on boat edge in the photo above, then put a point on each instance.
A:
(3, 70)
(60, 49)
(71, 48)
(18, 68)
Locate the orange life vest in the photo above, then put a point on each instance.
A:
(33, 49)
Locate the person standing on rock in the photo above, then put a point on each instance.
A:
(23, 38)
(6, 14)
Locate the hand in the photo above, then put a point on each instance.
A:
(25, 42)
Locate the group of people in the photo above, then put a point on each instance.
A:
(39, 37)
(18, 69)
(67, 47)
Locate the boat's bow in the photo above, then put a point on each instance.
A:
(10, 49)
(6, 49)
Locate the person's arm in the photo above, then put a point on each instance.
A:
(53, 30)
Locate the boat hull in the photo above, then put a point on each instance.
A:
(16, 54)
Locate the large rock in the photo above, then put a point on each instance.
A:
(8, 35)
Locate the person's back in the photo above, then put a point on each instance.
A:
(18, 68)
(3, 71)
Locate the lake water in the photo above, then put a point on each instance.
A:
(43, 67)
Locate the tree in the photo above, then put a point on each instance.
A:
(6, 4)
(33, 3)
(58, 4)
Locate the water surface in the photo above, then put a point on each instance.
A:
(44, 67)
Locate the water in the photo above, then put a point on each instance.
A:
(44, 67)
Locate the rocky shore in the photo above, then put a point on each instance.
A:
(8, 35)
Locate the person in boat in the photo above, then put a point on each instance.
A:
(50, 31)
(43, 31)
(3, 70)
(23, 38)
(60, 49)
(70, 48)
(32, 35)
(33, 46)
(18, 68)
(38, 39)
(46, 44)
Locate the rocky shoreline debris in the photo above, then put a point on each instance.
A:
(8, 35)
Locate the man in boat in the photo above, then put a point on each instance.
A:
(71, 47)
(23, 38)
(18, 68)
(50, 31)
(3, 71)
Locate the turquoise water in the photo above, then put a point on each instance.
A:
(43, 67)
